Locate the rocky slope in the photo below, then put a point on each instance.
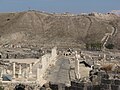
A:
(33, 28)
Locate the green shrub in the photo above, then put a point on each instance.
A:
(110, 46)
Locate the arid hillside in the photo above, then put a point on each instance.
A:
(33, 28)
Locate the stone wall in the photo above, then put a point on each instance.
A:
(105, 85)
(47, 60)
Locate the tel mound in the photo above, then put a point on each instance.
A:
(39, 28)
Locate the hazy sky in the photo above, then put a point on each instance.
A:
(73, 6)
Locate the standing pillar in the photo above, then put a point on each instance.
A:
(77, 69)
(20, 71)
(4, 70)
(104, 58)
(30, 70)
(38, 74)
(14, 70)
(25, 74)
(77, 66)
(54, 52)
(1, 75)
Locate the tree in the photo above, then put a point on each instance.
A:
(94, 46)
(110, 46)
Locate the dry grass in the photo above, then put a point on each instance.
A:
(38, 28)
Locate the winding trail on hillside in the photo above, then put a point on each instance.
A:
(107, 36)
(42, 24)
(32, 20)
(89, 25)
(90, 22)
(114, 31)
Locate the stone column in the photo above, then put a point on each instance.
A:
(20, 73)
(54, 52)
(4, 70)
(30, 70)
(77, 69)
(104, 58)
(14, 70)
(38, 74)
(1, 74)
(26, 74)
(76, 54)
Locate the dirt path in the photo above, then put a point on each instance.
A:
(107, 36)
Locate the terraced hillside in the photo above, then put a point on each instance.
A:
(33, 28)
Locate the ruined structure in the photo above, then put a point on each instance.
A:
(30, 70)
(28, 61)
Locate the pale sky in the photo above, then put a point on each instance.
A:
(60, 6)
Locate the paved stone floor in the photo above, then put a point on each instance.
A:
(60, 72)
